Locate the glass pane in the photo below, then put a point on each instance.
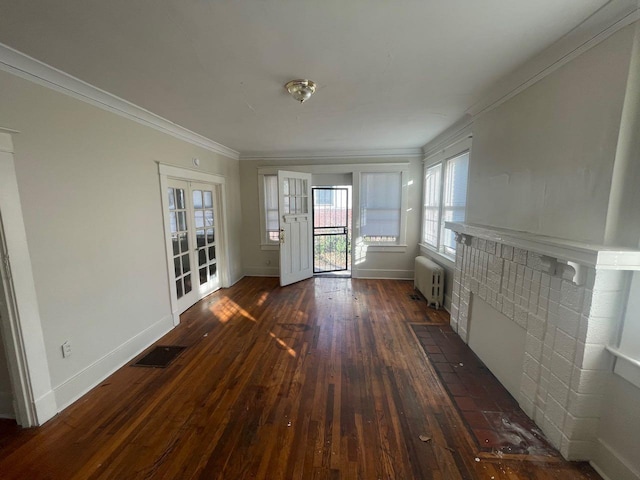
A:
(172, 200)
(200, 238)
(199, 219)
(187, 284)
(210, 237)
(179, 198)
(179, 288)
(173, 222)
(208, 199)
(212, 253)
(202, 257)
(208, 217)
(287, 206)
(285, 186)
(213, 268)
(182, 221)
(185, 264)
(203, 276)
(197, 199)
(176, 267)
(184, 243)
(176, 245)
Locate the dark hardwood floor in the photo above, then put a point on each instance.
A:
(321, 379)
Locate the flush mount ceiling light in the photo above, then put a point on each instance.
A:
(301, 90)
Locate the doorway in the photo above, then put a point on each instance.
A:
(332, 230)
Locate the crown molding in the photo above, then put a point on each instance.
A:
(333, 154)
(24, 66)
(609, 19)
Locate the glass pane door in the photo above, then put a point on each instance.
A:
(179, 223)
(204, 211)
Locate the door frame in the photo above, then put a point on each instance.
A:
(22, 331)
(167, 171)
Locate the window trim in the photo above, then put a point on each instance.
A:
(265, 242)
(455, 150)
(402, 235)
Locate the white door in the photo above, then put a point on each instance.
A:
(294, 210)
(205, 214)
(192, 211)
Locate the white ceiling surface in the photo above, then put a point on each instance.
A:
(390, 74)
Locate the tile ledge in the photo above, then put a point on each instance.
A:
(598, 256)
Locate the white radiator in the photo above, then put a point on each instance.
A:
(429, 279)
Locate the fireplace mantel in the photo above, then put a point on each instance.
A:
(567, 298)
(597, 256)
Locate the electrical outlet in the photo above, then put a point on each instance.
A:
(66, 350)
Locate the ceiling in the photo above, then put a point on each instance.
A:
(390, 74)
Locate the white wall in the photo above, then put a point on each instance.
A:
(376, 264)
(90, 194)
(542, 162)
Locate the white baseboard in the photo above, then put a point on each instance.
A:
(75, 387)
(265, 271)
(46, 407)
(6, 405)
(383, 274)
(610, 466)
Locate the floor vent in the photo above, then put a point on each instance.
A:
(414, 296)
(160, 357)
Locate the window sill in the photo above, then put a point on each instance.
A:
(445, 260)
(385, 248)
(269, 246)
(627, 367)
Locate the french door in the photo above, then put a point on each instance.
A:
(193, 210)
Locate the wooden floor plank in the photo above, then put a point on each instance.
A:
(322, 379)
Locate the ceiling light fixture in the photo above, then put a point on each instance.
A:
(301, 90)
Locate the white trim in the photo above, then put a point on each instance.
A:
(189, 174)
(393, 248)
(6, 405)
(336, 168)
(444, 260)
(458, 132)
(613, 16)
(82, 382)
(610, 466)
(24, 66)
(598, 256)
(609, 19)
(627, 367)
(325, 154)
(267, 271)
(383, 274)
(22, 332)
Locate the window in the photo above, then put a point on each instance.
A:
(445, 200)
(380, 207)
(271, 221)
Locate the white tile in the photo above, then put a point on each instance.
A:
(536, 326)
(552, 432)
(568, 320)
(533, 346)
(610, 281)
(580, 428)
(584, 405)
(561, 368)
(571, 296)
(520, 256)
(589, 381)
(565, 345)
(591, 356)
(558, 390)
(555, 412)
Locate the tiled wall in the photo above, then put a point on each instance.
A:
(568, 318)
